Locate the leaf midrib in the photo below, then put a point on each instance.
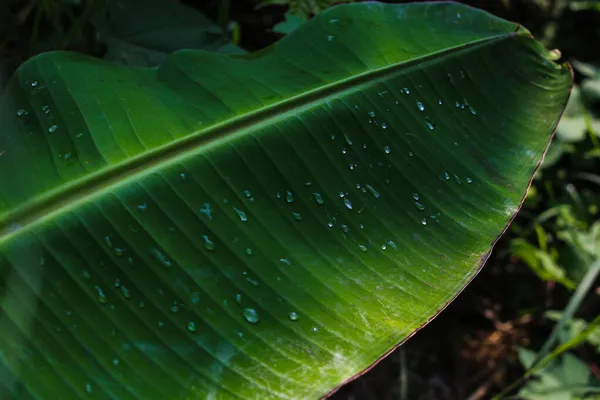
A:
(70, 196)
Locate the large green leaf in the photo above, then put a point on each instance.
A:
(265, 225)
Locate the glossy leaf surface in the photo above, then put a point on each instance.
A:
(266, 225)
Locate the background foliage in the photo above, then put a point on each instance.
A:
(491, 333)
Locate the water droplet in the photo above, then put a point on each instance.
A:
(430, 125)
(191, 326)
(472, 110)
(348, 204)
(115, 362)
(208, 244)
(415, 196)
(285, 261)
(34, 84)
(160, 257)
(383, 247)
(420, 106)
(125, 292)
(108, 241)
(410, 154)
(241, 214)
(345, 228)
(117, 283)
(318, 198)
(294, 316)
(88, 386)
(392, 244)
(174, 307)
(440, 102)
(342, 194)
(348, 140)
(457, 179)
(419, 206)
(21, 112)
(52, 129)
(383, 125)
(344, 150)
(387, 149)
(252, 282)
(238, 298)
(424, 221)
(372, 114)
(101, 296)
(372, 190)
(362, 247)
(119, 252)
(250, 315)
(330, 38)
(142, 207)
(195, 298)
(446, 175)
(297, 216)
(206, 210)
(249, 251)
(330, 224)
(247, 193)
(406, 90)
(45, 109)
(457, 104)
(289, 196)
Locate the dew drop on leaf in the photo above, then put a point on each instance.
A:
(101, 296)
(250, 315)
(125, 292)
(372, 190)
(208, 244)
(241, 214)
(285, 261)
(318, 198)
(191, 326)
(348, 204)
(294, 316)
(206, 210)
